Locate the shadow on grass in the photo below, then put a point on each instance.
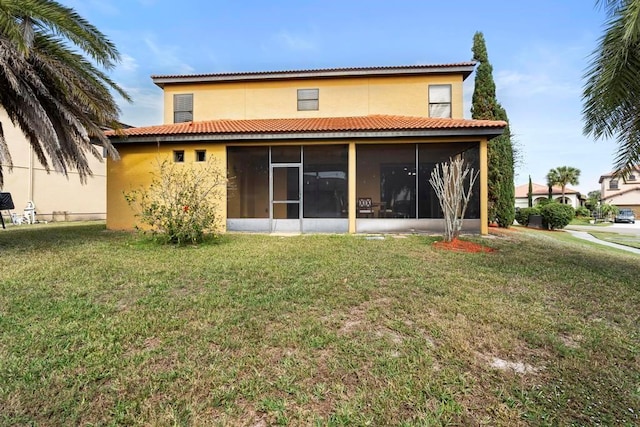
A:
(55, 236)
(50, 236)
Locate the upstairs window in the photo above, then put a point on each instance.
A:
(183, 108)
(613, 184)
(440, 101)
(308, 99)
(632, 177)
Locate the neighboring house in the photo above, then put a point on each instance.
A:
(540, 192)
(55, 196)
(623, 192)
(331, 150)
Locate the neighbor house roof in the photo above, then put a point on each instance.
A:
(364, 126)
(542, 190)
(614, 173)
(464, 68)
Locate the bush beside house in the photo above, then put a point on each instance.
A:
(554, 215)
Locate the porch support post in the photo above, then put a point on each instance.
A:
(352, 187)
(484, 189)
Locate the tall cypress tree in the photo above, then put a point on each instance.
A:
(530, 194)
(485, 106)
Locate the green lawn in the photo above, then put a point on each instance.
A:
(587, 221)
(103, 328)
(621, 239)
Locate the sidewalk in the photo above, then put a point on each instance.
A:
(586, 236)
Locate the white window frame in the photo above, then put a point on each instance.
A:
(440, 101)
(308, 99)
(182, 107)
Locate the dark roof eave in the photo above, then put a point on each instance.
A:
(463, 68)
(472, 132)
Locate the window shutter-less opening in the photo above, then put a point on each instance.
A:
(307, 99)
(440, 101)
(183, 108)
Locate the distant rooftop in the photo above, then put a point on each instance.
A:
(614, 173)
(465, 68)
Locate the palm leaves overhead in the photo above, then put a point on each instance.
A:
(612, 91)
(563, 176)
(50, 89)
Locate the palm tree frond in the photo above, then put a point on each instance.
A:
(611, 95)
(51, 86)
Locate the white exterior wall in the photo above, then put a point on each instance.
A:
(523, 202)
(51, 192)
(625, 199)
(630, 197)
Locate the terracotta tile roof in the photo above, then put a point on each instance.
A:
(312, 125)
(542, 190)
(613, 173)
(463, 67)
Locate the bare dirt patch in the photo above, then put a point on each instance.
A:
(508, 365)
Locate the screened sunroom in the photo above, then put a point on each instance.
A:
(306, 188)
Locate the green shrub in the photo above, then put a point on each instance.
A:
(556, 215)
(522, 215)
(181, 204)
(543, 202)
(581, 211)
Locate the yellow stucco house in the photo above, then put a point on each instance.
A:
(329, 150)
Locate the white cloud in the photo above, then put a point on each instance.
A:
(541, 83)
(146, 108)
(166, 57)
(128, 63)
(293, 41)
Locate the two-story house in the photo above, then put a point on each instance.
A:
(329, 150)
(623, 192)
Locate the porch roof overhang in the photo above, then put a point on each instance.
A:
(378, 126)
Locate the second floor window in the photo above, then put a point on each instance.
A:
(613, 184)
(308, 99)
(183, 108)
(440, 101)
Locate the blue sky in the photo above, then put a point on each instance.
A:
(539, 51)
